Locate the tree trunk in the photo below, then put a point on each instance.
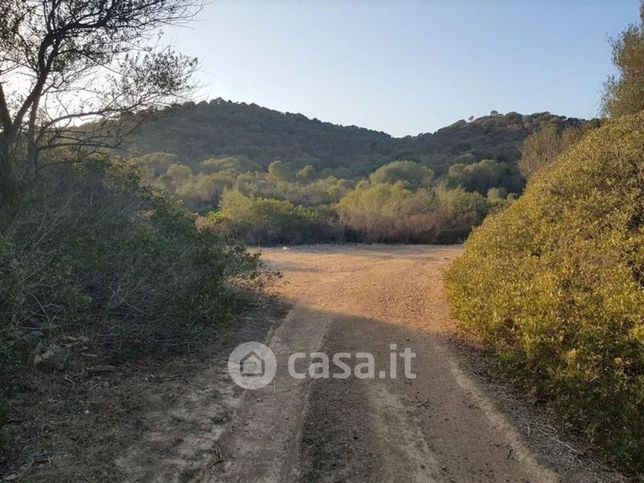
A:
(10, 189)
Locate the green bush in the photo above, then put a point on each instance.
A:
(378, 212)
(554, 286)
(91, 249)
(393, 213)
(412, 174)
(265, 221)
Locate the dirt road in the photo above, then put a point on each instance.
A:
(183, 419)
(440, 426)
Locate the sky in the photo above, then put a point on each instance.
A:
(406, 66)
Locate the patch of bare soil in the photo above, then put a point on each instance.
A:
(149, 419)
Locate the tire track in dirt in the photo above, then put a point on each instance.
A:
(440, 426)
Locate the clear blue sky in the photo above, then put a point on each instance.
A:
(406, 67)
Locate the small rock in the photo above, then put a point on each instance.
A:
(11, 477)
(53, 358)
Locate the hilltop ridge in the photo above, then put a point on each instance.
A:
(197, 131)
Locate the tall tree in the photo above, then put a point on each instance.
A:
(64, 63)
(545, 145)
(624, 94)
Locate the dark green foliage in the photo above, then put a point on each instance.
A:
(195, 132)
(231, 164)
(484, 175)
(93, 250)
(553, 286)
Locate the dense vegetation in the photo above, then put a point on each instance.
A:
(84, 246)
(92, 252)
(301, 180)
(554, 285)
(97, 271)
(215, 129)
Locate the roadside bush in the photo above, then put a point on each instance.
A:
(93, 250)
(554, 286)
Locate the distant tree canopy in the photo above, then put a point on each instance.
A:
(224, 129)
(326, 182)
(232, 164)
(624, 93)
(484, 175)
(281, 171)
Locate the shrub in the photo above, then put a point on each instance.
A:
(459, 201)
(546, 144)
(92, 249)
(554, 286)
(412, 174)
(269, 221)
(392, 213)
(373, 212)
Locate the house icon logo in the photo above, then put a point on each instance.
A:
(252, 365)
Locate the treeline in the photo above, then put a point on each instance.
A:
(220, 129)
(353, 184)
(402, 201)
(301, 180)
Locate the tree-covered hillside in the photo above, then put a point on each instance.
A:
(292, 179)
(195, 132)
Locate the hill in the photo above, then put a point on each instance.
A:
(195, 132)
(283, 178)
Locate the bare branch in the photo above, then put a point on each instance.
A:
(66, 62)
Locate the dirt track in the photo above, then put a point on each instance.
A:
(440, 426)
(182, 419)
(455, 422)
